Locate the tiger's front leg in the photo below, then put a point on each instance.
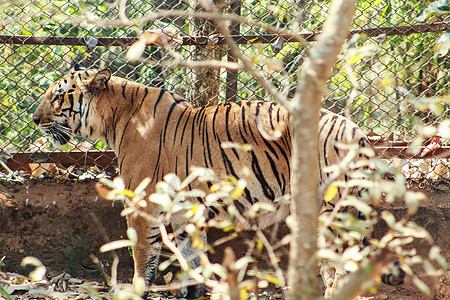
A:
(147, 249)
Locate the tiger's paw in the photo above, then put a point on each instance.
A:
(195, 292)
(397, 277)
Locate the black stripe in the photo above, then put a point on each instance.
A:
(168, 119)
(268, 192)
(274, 168)
(336, 137)
(354, 129)
(344, 130)
(161, 93)
(186, 164)
(323, 126)
(157, 159)
(270, 114)
(176, 127)
(196, 116)
(243, 118)
(326, 141)
(124, 85)
(184, 127)
(227, 117)
(206, 146)
(227, 162)
(214, 123)
(176, 165)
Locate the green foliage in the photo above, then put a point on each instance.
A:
(5, 293)
(369, 87)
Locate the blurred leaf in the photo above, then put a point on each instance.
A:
(444, 129)
(435, 254)
(39, 272)
(275, 65)
(164, 265)
(421, 285)
(413, 199)
(139, 286)
(173, 180)
(30, 260)
(263, 206)
(243, 262)
(430, 270)
(385, 239)
(142, 186)
(416, 145)
(237, 193)
(259, 245)
(388, 218)
(442, 46)
(407, 269)
(436, 8)
(413, 230)
(116, 245)
(132, 235)
(136, 50)
(272, 279)
(330, 192)
(262, 284)
(361, 206)
(355, 59)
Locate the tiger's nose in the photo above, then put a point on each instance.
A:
(36, 120)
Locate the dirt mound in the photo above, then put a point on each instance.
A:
(61, 223)
(64, 222)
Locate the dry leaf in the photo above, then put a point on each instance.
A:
(435, 144)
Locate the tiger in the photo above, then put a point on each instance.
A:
(154, 132)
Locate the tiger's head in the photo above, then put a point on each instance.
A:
(65, 108)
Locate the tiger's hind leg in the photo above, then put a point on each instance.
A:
(184, 243)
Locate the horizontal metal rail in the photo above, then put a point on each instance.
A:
(21, 161)
(202, 40)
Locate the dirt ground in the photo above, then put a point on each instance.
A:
(63, 223)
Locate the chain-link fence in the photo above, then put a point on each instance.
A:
(392, 79)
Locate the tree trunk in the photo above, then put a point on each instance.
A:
(305, 204)
(205, 82)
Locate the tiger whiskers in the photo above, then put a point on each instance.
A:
(58, 132)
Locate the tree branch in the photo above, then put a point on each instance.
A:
(89, 18)
(305, 204)
(355, 281)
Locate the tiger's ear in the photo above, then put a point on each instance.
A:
(98, 82)
(79, 67)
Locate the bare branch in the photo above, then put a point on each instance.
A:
(365, 273)
(272, 257)
(183, 263)
(89, 18)
(192, 64)
(248, 65)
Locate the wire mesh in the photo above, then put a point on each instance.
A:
(389, 80)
